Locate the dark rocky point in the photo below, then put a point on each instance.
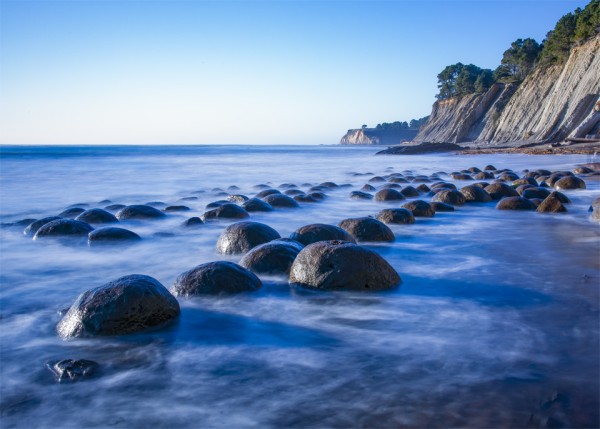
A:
(410, 192)
(339, 265)
(367, 229)
(368, 188)
(214, 278)
(128, 305)
(237, 198)
(312, 233)
(240, 237)
(306, 199)
(215, 204)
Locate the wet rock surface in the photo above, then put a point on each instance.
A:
(130, 304)
(367, 229)
(274, 258)
(63, 228)
(515, 203)
(97, 216)
(338, 265)
(33, 227)
(69, 370)
(225, 211)
(111, 235)
(139, 211)
(454, 198)
(419, 208)
(240, 237)
(257, 205)
(397, 216)
(214, 278)
(320, 232)
(281, 201)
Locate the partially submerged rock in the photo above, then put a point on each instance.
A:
(240, 237)
(112, 235)
(397, 216)
(515, 203)
(225, 211)
(367, 229)
(419, 208)
(97, 216)
(214, 278)
(139, 211)
(320, 232)
(339, 265)
(73, 370)
(128, 305)
(275, 257)
(63, 228)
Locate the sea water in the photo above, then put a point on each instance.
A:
(495, 324)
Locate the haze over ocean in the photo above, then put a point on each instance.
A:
(256, 72)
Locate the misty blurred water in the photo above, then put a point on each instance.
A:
(496, 323)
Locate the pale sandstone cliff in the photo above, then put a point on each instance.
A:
(552, 104)
(371, 136)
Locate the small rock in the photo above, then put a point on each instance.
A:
(33, 227)
(359, 195)
(176, 209)
(73, 370)
(441, 207)
(192, 222)
(275, 257)
(71, 213)
(475, 194)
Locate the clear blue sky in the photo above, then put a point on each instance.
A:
(252, 72)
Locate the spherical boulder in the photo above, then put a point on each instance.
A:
(397, 216)
(367, 229)
(569, 182)
(237, 198)
(500, 190)
(97, 216)
(275, 257)
(226, 211)
(368, 188)
(419, 208)
(551, 204)
(240, 237)
(441, 207)
(306, 199)
(266, 193)
(359, 195)
(339, 265)
(114, 207)
(461, 176)
(483, 175)
(33, 227)
(192, 222)
(388, 195)
(410, 192)
(71, 212)
(475, 194)
(214, 278)
(515, 203)
(215, 204)
(320, 232)
(64, 228)
(111, 235)
(451, 197)
(257, 205)
(139, 211)
(130, 304)
(281, 200)
(176, 208)
(535, 193)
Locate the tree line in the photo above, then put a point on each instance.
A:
(414, 124)
(523, 55)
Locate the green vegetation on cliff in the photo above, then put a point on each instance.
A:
(523, 56)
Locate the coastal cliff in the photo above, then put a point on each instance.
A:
(374, 136)
(552, 104)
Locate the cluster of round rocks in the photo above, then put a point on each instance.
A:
(317, 256)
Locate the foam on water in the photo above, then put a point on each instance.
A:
(495, 323)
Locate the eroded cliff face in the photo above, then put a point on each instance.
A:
(376, 136)
(552, 104)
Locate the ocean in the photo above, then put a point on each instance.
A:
(495, 324)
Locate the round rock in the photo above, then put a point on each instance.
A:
(475, 194)
(359, 195)
(388, 195)
(275, 257)
(367, 229)
(33, 227)
(139, 211)
(515, 203)
(281, 200)
(256, 205)
(64, 228)
(127, 305)
(111, 235)
(97, 216)
(419, 208)
(451, 197)
(71, 213)
(398, 216)
(339, 265)
(214, 278)
(320, 232)
(569, 182)
(240, 237)
(500, 190)
(225, 211)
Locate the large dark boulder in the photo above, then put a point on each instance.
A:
(397, 216)
(111, 235)
(367, 229)
(64, 228)
(475, 194)
(97, 216)
(225, 211)
(281, 201)
(451, 197)
(419, 208)
(139, 211)
(569, 182)
(33, 227)
(500, 190)
(240, 237)
(320, 232)
(214, 278)
(275, 257)
(515, 203)
(551, 204)
(257, 205)
(130, 304)
(339, 265)
(388, 195)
